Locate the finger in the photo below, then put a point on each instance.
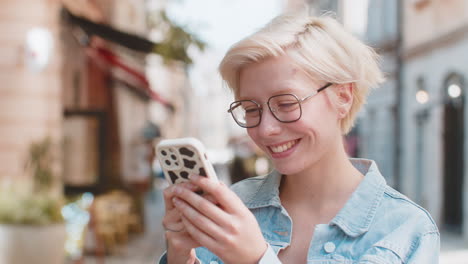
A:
(203, 206)
(168, 193)
(210, 198)
(172, 220)
(198, 235)
(179, 228)
(171, 217)
(197, 219)
(225, 196)
(179, 241)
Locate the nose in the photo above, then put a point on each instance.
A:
(269, 125)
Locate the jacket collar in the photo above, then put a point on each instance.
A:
(357, 214)
(267, 193)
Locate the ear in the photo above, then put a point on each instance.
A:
(345, 98)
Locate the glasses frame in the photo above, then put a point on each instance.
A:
(300, 100)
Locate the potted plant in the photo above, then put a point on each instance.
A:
(31, 225)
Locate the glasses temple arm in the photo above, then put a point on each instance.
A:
(324, 87)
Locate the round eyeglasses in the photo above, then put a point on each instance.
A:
(285, 108)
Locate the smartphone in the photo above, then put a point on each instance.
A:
(181, 157)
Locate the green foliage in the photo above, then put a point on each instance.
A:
(176, 40)
(24, 203)
(39, 163)
(29, 209)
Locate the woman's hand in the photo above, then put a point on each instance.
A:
(180, 245)
(227, 228)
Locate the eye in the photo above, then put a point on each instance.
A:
(252, 111)
(288, 105)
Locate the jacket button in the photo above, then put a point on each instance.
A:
(329, 247)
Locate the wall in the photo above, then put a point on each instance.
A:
(431, 19)
(435, 41)
(434, 68)
(30, 102)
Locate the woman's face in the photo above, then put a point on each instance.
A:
(298, 146)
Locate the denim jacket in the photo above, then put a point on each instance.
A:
(376, 225)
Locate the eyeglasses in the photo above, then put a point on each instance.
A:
(286, 108)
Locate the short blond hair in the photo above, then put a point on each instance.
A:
(318, 45)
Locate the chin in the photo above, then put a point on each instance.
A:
(288, 169)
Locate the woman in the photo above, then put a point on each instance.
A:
(299, 83)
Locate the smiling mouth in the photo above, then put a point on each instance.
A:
(283, 147)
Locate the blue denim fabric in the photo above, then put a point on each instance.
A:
(376, 225)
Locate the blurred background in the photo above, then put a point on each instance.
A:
(88, 88)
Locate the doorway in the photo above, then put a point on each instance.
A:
(453, 141)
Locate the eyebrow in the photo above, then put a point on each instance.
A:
(281, 91)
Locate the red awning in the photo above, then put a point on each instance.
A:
(113, 59)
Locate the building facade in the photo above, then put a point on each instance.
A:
(377, 126)
(434, 148)
(413, 125)
(30, 72)
(87, 87)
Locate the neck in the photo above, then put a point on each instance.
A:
(328, 184)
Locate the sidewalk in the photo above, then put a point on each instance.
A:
(144, 248)
(454, 250)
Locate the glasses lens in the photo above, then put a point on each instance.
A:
(285, 107)
(246, 113)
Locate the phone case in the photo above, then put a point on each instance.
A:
(181, 157)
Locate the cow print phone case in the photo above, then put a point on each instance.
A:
(181, 157)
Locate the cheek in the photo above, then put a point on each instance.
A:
(252, 132)
(319, 125)
(322, 114)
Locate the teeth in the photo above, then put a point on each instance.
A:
(284, 147)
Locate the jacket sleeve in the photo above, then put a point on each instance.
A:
(427, 250)
(163, 259)
(269, 257)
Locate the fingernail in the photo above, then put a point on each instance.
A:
(193, 177)
(191, 186)
(177, 190)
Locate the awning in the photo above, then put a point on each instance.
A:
(131, 41)
(113, 59)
